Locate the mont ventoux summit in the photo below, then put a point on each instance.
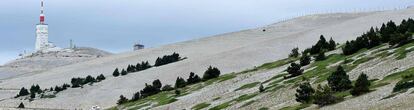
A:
(332, 61)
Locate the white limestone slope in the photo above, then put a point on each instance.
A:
(230, 52)
(44, 61)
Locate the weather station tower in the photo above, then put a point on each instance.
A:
(42, 34)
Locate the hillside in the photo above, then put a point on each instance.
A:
(44, 61)
(232, 53)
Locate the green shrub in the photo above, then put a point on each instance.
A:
(304, 93)
(324, 96)
(339, 80)
(210, 73)
(361, 85)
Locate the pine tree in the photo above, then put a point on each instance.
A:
(116, 72)
(347, 49)
(58, 89)
(193, 78)
(136, 96)
(122, 100)
(294, 53)
(410, 23)
(177, 92)
(77, 82)
(374, 39)
(23, 92)
(33, 89)
(304, 93)
(123, 72)
(332, 44)
(323, 96)
(261, 88)
(361, 85)
(89, 79)
(339, 80)
(157, 84)
(38, 89)
(167, 88)
(100, 77)
(21, 105)
(211, 73)
(305, 59)
(32, 95)
(321, 56)
(149, 90)
(180, 83)
(294, 70)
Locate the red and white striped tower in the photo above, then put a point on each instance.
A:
(42, 15)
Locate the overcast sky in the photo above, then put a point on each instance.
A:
(114, 25)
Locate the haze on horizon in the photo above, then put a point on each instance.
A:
(115, 25)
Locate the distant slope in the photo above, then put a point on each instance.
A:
(230, 52)
(45, 61)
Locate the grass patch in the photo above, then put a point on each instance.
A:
(278, 63)
(275, 77)
(245, 97)
(140, 106)
(398, 75)
(200, 106)
(248, 103)
(383, 54)
(321, 71)
(402, 51)
(226, 77)
(296, 107)
(264, 108)
(217, 98)
(248, 86)
(342, 94)
(362, 60)
(378, 84)
(221, 106)
(237, 100)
